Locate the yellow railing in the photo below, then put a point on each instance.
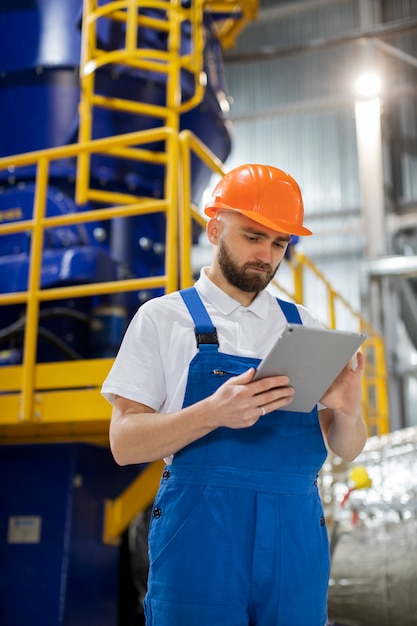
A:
(30, 395)
(189, 143)
(168, 64)
(31, 398)
(235, 18)
(375, 406)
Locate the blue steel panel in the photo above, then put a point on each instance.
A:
(41, 110)
(69, 578)
(40, 47)
(39, 33)
(30, 574)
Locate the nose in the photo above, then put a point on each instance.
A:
(264, 252)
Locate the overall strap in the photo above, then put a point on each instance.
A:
(205, 332)
(290, 311)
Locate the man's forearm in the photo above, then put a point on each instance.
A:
(347, 435)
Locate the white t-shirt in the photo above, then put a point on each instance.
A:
(151, 366)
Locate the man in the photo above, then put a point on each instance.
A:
(238, 536)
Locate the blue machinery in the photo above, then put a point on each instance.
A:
(133, 79)
(115, 113)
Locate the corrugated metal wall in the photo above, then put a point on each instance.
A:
(291, 77)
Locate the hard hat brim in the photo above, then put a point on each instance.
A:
(278, 225)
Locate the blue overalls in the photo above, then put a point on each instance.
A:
(238, 536)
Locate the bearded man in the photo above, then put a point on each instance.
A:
(238, 535)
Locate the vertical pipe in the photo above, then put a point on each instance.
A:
(368, 134)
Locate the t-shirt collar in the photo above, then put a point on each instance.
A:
(224, 303)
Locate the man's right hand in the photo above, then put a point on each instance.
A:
(240, 401)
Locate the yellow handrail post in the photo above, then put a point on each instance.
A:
(190, 143)
(34, 285)
(132, 27)
(172, 217)
(185, 220)
(87, 78)
(298, 277)
(332, 311)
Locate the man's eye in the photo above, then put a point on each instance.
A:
(251, 238)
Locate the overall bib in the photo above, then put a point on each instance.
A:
(238, 536)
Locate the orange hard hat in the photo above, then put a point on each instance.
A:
(263, 193)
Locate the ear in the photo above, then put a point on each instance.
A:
(213, 229)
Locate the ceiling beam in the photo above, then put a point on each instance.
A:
(361, 35)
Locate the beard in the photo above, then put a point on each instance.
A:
(242, 277)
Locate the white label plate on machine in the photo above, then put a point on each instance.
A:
(24, 529)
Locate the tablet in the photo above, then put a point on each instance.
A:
(312, 358)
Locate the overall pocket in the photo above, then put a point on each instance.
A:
(189, 539)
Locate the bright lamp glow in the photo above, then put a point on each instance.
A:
(368, 85)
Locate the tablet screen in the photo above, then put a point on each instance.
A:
(312, 358)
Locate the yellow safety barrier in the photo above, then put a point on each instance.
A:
(375, 406)
(28, 408)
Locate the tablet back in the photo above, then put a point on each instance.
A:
(312, 358)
